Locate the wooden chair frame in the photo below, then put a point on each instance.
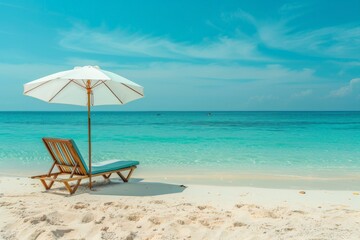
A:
(66, 158)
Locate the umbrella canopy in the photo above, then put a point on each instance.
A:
(84, 86)
(70, 87)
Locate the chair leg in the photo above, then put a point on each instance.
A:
(76, 186)
(48, 186)
(73, 189)
(107, 176)
(125, 179)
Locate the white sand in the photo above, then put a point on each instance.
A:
(152, 210)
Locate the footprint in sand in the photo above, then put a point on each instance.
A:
(58, 233)
(100, 221)
(134, 217)
(36, 220)
(204, 223)
(155, 220)
(87, 217)
(81, 205)
(54, 218)
(181, 222)
(239, 224)
(192, 218)
(202, 207)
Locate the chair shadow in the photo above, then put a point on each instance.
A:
(116, 187)
(135, 187)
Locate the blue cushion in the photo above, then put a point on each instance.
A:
(105, 166)
(110, 165)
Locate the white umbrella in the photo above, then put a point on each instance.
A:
(84, 86)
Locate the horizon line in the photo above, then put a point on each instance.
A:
(4, 111)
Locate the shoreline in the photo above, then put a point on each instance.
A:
(145, 209)
(350, 182)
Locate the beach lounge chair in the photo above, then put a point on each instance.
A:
(72, 167)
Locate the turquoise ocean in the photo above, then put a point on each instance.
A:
(308, 144)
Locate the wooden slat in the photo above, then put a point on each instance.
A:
(56, 140)
(56, 153)
(64, 165)
(50, 152)
(69, 152)
(61, 152)
(71, 157)
(61, 156)
(66, 156)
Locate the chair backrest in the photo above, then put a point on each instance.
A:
(66, 155)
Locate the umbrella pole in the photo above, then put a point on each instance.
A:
(88, 88)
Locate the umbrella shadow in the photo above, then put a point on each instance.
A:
(135, 187)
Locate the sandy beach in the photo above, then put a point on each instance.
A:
(192, 120)
(143, 209)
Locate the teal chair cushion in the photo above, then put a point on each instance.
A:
(111, 165)
(104, 166)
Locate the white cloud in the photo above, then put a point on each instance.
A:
(354, 85)
(341, 41)
(336, 42)
(122, 43)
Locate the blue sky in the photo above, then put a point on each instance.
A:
(190, 55)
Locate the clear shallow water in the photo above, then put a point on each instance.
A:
(287, 143)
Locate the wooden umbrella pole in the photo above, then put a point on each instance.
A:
(88, 88)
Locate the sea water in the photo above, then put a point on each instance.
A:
(293, 143)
